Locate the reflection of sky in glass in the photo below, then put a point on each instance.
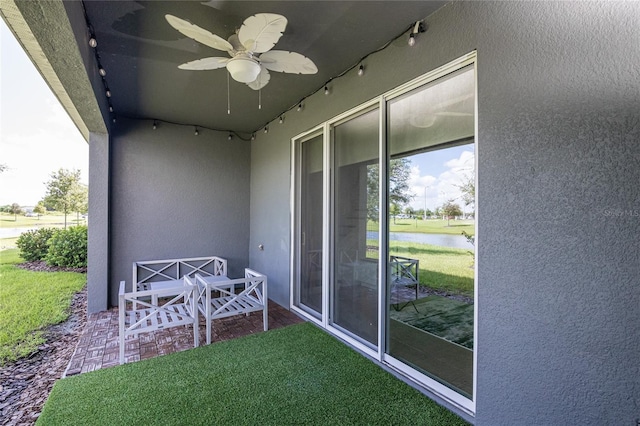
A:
(441, 172)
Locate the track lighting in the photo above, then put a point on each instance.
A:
(230, 137)
(196, 132)
(110, 108)
(361, 70)
(155, 124)
(93, 42)
(253, 136)
(102, 72)
(281, 120)
(326, 90)
(108, 93)
(300, 106)
(412, 39)
(266, 129)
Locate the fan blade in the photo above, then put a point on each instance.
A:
(262, 79)
(198, 34)
(290, 62)
(261, 31)
(212, 63)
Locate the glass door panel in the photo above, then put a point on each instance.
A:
(354, 284)
(308, 291)
(430, 289)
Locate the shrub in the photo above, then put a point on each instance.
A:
(34, 245)
(68, 248)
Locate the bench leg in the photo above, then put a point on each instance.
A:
(265, 318)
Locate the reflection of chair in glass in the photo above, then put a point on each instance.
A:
(404, 274)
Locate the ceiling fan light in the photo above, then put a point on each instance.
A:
(243, 69)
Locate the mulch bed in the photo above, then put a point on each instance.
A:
(26, 383)
(41, 266)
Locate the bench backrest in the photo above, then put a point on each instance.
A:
(148, 271)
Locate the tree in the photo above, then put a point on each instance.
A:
(15, 210)
(451, 209)
(81, 198)
(468, 189)
(39, 209)
(64, 192)
(399, 173)
(394, 210)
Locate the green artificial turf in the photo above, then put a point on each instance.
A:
(294, 375)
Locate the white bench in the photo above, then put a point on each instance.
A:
(167, 273)
(217, 297)
(181, 309)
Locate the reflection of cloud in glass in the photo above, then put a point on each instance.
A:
(452, 173)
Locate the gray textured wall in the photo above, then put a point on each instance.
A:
(98, 241)
(559, 199)
(177, 195)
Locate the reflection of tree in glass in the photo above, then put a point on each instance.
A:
(468, 189)
(399, 194)
(450, 209)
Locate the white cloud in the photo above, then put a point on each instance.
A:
(445, 186)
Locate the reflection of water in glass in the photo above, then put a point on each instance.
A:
(444, 240)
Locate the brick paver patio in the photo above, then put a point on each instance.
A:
(98, 345)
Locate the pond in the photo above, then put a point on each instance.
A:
(444, 240)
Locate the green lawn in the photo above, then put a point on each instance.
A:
(29, 302)
(441, 268)
(432, 226)
(50, 220)
(294, 375)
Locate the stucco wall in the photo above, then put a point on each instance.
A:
(98, 239)
(176, 195)
(559, 200)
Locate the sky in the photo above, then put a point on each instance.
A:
(441, 172)
(37, 137)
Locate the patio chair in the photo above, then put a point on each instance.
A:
(217, 298)
(179, 310)
(404, 273)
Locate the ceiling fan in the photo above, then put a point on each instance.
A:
(249, 49)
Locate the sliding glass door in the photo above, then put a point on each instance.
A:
(354, 236)
(430, 325)
(308, 291)
(384, 233)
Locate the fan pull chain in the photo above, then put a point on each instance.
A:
(228, 97)
(259, 98)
